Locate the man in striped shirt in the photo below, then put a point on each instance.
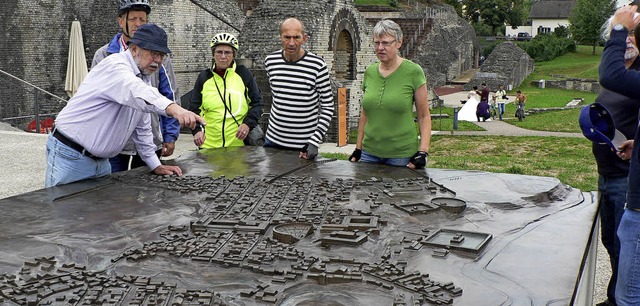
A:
(302, 99)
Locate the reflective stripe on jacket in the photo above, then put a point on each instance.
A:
(225, 103)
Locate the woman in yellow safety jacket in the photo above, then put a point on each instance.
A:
(227, 97)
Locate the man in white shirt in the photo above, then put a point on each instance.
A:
(113, 104)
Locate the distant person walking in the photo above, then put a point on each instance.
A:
(520, 103)
(520, 100)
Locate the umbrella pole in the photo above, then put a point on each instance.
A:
(36, 108)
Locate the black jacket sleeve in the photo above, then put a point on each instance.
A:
(196, 97)
(252, 91)
(612, 72)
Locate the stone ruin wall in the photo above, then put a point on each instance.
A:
(586, 85)
(34, 48)
(191, 23)
(36, 36)
(441, 61)
(507, 65)
(449, 49)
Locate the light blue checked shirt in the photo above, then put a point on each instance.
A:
(112, 104)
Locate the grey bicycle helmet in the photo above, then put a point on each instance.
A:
(130, 5)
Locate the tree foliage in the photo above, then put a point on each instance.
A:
(545, 47)
(457, 5)
(587, 18)
(495, 13)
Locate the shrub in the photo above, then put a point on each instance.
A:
(561, 32)
(393, 3)
(489, 48)
(545, 47)
(481, 29)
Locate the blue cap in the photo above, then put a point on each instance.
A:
(151, 37)
(597, 125)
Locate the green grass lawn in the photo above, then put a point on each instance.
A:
(580, 64)
(554, 121)
(567, 159)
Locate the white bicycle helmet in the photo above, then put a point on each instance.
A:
(225, 39)
(129, 5)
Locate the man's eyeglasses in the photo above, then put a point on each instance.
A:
(385, 44)
(157, 55)
(223, 53)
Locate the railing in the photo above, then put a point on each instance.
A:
(413, 39)
(430, 13)
(37, 91)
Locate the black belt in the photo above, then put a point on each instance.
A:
(72, 144)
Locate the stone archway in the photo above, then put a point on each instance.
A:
(344, 41)
(344, 58)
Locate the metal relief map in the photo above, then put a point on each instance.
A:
(253, 226)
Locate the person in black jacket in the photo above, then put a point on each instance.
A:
(613, 170)
(227, 94)
(622, 98)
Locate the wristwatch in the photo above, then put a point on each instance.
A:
(618, 27)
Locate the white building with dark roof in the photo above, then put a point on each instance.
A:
(546, 16)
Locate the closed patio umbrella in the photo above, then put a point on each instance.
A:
(76, 62)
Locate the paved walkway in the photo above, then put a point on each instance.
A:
(496, 127)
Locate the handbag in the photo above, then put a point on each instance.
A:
(255, 137)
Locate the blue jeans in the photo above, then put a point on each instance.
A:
(66, 165)
(501, 109)
(120, 162)
(628, 283)
(612, 193)
(372, 159)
